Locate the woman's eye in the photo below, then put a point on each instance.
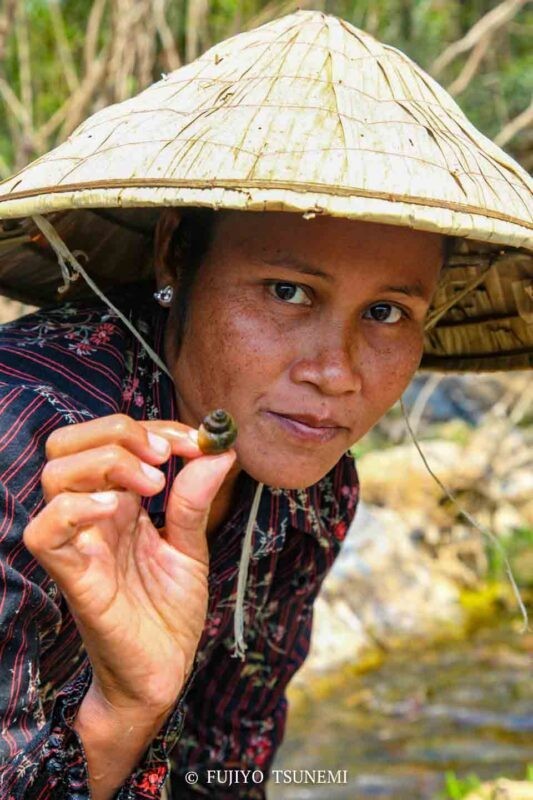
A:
(290, 293)
(384, 312)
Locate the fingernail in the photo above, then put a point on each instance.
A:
(193, 436)
(158, 444)
(106, 498)
(155, 475)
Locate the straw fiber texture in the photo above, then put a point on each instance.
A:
(305, 114)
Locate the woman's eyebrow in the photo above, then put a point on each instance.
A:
(292, 262)
(414, 289)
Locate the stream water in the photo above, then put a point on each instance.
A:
(466, 707)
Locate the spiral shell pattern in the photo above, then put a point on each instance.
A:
(217, 432)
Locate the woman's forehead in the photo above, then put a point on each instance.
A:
(283, 236)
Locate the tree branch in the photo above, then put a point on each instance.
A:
(170, 53)
(145, 33)
(488, 24)
(18, 113)
(77, 105)
(91, 36)
(63, 48)
(15, 106)
(197, 13)
(23, 52)
(471, 66)
(6, 22)
(514, 126)
(5, 171)
(123, 48)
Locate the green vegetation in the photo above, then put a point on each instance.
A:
(458, 788)
(518, 547)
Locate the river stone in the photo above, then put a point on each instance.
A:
(397, 477)
(381, 592)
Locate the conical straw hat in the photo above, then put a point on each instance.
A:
(309, 114)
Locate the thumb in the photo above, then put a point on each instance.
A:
(193, 491)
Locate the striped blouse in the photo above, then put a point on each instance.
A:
(74, 362)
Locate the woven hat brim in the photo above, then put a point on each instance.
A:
(448, 219)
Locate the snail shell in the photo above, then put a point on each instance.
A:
(217, 432)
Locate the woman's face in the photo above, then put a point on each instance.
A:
(305, 331)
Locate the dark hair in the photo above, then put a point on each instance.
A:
(190, 244)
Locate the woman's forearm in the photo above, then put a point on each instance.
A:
(114, 741)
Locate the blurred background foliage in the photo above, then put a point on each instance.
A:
(60, 60)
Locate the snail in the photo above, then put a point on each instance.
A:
(217, 432)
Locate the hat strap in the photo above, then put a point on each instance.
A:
(469, 518)
(67, 259)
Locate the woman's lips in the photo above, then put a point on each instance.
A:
(302, 431)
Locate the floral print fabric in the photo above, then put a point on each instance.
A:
(74, 362)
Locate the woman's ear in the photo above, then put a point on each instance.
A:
(164, 267)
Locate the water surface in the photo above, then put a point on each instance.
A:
(466, 707)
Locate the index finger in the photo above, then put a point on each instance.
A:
(143, 438)
(182, 438)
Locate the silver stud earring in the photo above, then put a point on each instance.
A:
(164, 296)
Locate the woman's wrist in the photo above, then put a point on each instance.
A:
(114, 739)
(115, 715)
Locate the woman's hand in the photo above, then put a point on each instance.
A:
(138, 595)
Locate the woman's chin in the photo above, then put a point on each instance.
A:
(299, 473)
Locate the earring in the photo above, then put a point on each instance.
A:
(164, 296)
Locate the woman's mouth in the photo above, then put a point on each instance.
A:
(305, 431)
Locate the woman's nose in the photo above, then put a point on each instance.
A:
(333, 368)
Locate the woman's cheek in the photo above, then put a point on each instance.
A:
(244, 349)
(393, 368)
(253, 330)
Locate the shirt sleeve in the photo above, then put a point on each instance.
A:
(236, 712)
(41, 755)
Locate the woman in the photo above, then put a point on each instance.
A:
(122, 574)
